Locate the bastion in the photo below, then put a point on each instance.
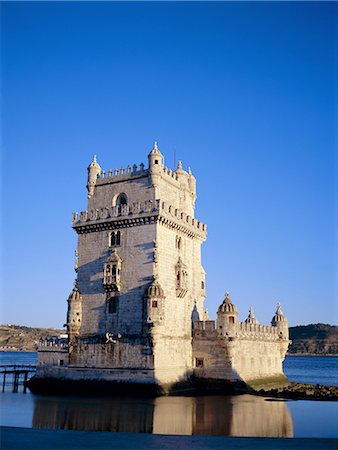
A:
(136, 320)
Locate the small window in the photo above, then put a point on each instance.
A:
(202, 284)
(60, 362)
(156, 161)
(112, 305)
(231, 319)
(199, 362)
(178, 242)
(115, 238)
(154, 303)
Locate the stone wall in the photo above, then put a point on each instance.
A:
(256, 352)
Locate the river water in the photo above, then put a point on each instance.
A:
(237, 415)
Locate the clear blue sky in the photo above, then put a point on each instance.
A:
(243, 91)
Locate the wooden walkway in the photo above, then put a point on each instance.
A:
(16, 375)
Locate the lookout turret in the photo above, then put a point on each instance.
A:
(227, 317)
(280, 321)
(74, 314)
(155, 159)
(94, 170)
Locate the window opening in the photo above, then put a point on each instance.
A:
(199, 362)
(112, 305)
(115, 238)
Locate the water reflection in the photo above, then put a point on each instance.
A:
(243, 415)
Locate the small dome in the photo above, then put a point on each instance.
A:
(94, 163)
(180, 169)
(155, 289)
(75, 294)
(155, 150)
(227, 306)
(279, 316)
(251, 317)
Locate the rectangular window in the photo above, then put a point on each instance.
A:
(199, 362)
(154, 303)
(112, 305)
(231, 319)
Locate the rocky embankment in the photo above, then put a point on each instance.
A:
(302, 391)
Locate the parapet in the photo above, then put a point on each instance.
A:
(205, 329)
(159, 210)
(261, 332)
(122, 174)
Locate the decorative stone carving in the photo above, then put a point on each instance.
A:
(112, 272)
(155, 302)
(181, 278)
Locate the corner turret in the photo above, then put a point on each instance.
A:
(155, 157)
(74, 314)
(155, 302)
(94, 170)
(280, 321)
(155, 161)
(227, 318)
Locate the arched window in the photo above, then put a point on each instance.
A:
(121, 199)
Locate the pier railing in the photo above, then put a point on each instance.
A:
(16, 375)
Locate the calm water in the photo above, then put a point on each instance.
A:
(241, 415)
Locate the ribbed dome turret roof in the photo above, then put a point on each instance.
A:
(94, 163)
(279, 316)
(227, 306)
(155, 150)
(251, 317)
(155, 289)
(75, 294)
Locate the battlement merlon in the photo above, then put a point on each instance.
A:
(138, 213)
(207, 330)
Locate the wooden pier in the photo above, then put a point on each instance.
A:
(14, 374)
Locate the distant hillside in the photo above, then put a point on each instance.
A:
(19, 338)
(314, 339)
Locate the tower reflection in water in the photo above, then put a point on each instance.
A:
(241, 415)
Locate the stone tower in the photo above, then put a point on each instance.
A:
(139, 272)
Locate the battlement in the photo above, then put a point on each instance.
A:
(122, 174)
(129, 172)
(170, 211)
(167, 214)
(207, 329)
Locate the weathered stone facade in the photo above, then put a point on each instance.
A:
(134, 312)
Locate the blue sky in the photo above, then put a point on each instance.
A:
(245, 94)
